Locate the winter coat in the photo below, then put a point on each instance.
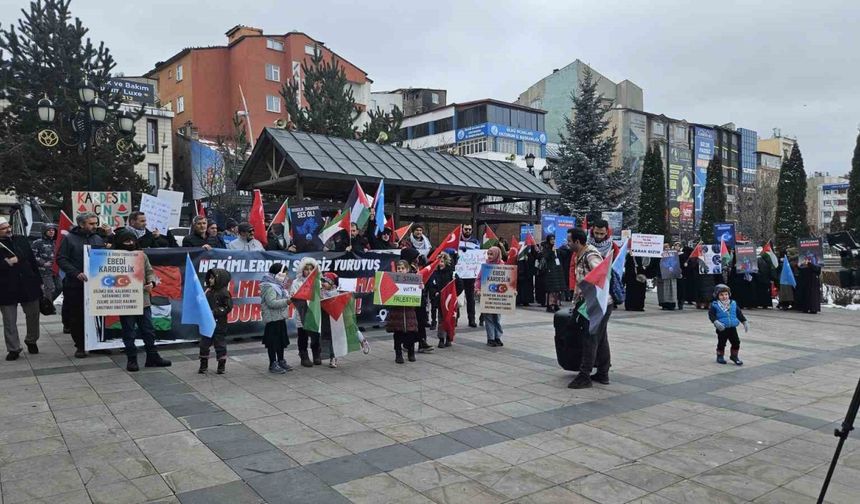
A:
(70, 257)
(583, 263)
(252, 245)
(219, 298)
(553, 275)
(43, 251)
(274, 305)
(21, 282)
(401, 319)
(732, 317)
(440, 278)
(149, 240)
(195, 240)
(148, 277)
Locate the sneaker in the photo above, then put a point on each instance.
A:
(80, 354)
(12, 356)
(736, 360)
(276, 369)
(600, 378)
(721, 359)
(284, 365)
(32, 348)
(492, 343)
(333, 363)
(441, 343)
(580, 382)
(499, 342)
(365, 347)
(133, 367)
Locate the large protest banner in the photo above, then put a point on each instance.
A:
(111, 207)
(712, 263)
(246, 270)
(397, 289)
(746, 260)
(115, 285)
(810, 249)
(498, 288)
(306, 223)
(646, 245)
(469, 263)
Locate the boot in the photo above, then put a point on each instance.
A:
(132, 366)
(204, 365)
(222, 364)
(721, 359)
(441, 343)
(410, 353)
(582, 380)
(317, 360)
(398, 356)
(472, 323)
(599, 377)
(155, 360)
(305, 361)
(736, 360)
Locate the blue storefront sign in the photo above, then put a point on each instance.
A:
(704, 152)
(501, 131)
(725, 231)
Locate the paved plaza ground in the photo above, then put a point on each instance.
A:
(469, 424)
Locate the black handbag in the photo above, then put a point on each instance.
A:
(46, 306)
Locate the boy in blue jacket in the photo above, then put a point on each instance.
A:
(726, 316)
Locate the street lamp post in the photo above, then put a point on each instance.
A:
(88, 123)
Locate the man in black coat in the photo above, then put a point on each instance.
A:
(145, 237)
(200, 238)
(70, 259)
(21, 284)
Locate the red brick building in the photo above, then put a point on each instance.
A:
(204, 85)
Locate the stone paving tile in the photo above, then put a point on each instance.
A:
(555, 495)
(236, 492)
(477, 437)
(427, 475)
(342, 469)
(466, 492)
(438, 446)
(315, 451)
(690, 492)
(513, 482)
(392, 457)
(257, 464)
(473, 462)
(146, 489)
(109, 463)
(377, 489)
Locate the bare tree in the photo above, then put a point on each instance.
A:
(758, 211)
(217, 180)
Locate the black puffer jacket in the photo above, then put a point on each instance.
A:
(218, 296)
(71, 254)
(21, 282)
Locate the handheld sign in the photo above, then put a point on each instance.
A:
(397, 289)
(498, 288)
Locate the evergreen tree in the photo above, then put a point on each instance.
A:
(585, 153)
(714, 205)
(652, 208)
(853, 221)
(791, 220)
(47, 55)
(384, 127)
(331, 108)
(624, 193)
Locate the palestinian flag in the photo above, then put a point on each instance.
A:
(595, 290)
(530, 242)
(345, 336)
(725, 255)
(340, 222)
(283, 217)
(400, 232)
(448, 309)
(697, 252)
(62, 230)
(513, 251)
(452, 241)
(358, 207)
(489, 239)
(767, 251)
(310, 292)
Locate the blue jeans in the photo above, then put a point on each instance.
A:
(493, 326)
(147, 332)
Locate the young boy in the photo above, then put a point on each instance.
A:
(328, 289)
(403, 322)
(726, 317)
(221, 304)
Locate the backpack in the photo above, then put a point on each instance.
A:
(616, 288)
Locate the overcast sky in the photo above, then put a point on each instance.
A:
(794, 65)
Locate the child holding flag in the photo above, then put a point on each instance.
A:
(726, 316)
(328, 289)
(308, 271)
(221, 303)
(403, 323)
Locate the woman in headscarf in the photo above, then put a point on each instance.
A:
(553, 274)
(635, 284)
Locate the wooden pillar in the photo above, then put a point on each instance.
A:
(300, 188)
(396, 207)
(474, 214)
(538, 212)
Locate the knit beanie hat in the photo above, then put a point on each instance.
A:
(721, 288)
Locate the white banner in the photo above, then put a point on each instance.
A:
(175, 199)
(647, 245)
(469, 263)
(157, 212)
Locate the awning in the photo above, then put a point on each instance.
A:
(318, 166)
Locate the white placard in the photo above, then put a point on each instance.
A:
(469, 263)
(175, 199)
(157, 212)
(647, 245)
(347, 284)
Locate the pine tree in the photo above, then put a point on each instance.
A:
(585, 153)
(47, 55)
(791, 220)
(384, 127)
(652, 209)
(624, 193)
(853, 220)
(331, 108)
(714, 205)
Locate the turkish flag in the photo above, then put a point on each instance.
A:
(63, 229)
(513, 251)
(448, 306)
(428, 270)
(257, 218)
(451, 241)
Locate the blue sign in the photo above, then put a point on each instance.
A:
(725, 231)
(501, 131)
(834, 187)
(557, 225)
(525, 230)
(704, 152)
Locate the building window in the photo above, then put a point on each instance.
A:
(536, 103)
(472, 116)
(434, 97)
(152, 174)
(273, 103)
(421, 130)
(443, 125)
(178, 73)
(472, 146)
(273, 44)
(273, 72)
(310, 50)
(180, 105)
(531, 148)
(506, 145)
(152, 136)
